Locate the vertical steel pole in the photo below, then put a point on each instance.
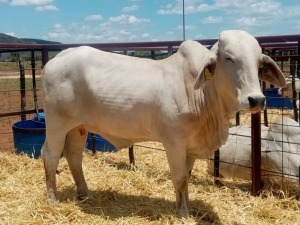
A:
(183, 20)
(130, 150)
(34, 85)
(298, 61)
(294, 97)
(256, 153)
(152, 54)
(298, 74)
(93, 137)
(237, 119)
(281, 64)
(266, 123)
(170, 50)
(45, 56)
(131, 156)
(22, 87)
(217, 167)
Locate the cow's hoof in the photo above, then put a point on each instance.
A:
(182, 213)
(82, 197)
(52, 201)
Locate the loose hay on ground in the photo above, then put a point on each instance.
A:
(272, 114)
(122, 194)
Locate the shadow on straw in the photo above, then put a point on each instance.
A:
(113, 205)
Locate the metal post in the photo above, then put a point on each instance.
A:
(217, 167)
(130, 150)
(256, 153)
(45, 56)
(152, 54)
(266, 123)
(22, 87)
(281, 64)
(237, 119)
(131, 156)
(298, 61)
(292, 64)
(298, 75)
(170, 50)
(294, 98)
(93, 137)
(273, 54)
(34, 85)
(183, 20)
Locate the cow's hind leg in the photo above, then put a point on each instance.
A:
(190, 161)
(51, 152)
(75, 142)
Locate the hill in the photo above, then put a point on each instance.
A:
(4, 38)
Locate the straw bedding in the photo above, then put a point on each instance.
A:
(123, 194)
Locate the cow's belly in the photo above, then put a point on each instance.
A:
(122, 130)
(121, 139)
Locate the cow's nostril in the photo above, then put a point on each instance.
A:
(256, 101)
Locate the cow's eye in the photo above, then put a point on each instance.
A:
(229, 59)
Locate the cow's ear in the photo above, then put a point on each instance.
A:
(270, 72)
(206, 73)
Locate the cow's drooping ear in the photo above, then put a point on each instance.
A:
(270, 72)
(206, 73)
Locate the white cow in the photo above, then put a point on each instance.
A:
(287, 91)
(280, 150)
(128, 100)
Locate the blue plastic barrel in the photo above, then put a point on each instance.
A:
(29, 137)
(274, 100)
(101, 144)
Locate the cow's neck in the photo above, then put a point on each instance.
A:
(214, 114)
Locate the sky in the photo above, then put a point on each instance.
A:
(106, 21)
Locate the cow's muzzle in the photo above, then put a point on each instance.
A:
(257, 103)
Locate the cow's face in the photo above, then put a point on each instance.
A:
(239, 63)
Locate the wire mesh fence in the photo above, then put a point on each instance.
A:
(17, 92)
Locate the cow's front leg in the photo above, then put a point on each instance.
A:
(177, 161)
(189, 167)
(51, 152)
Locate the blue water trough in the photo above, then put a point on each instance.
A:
(95, 141)
(29, 137)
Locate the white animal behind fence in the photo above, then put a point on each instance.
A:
(128, 100)
(280, 151)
